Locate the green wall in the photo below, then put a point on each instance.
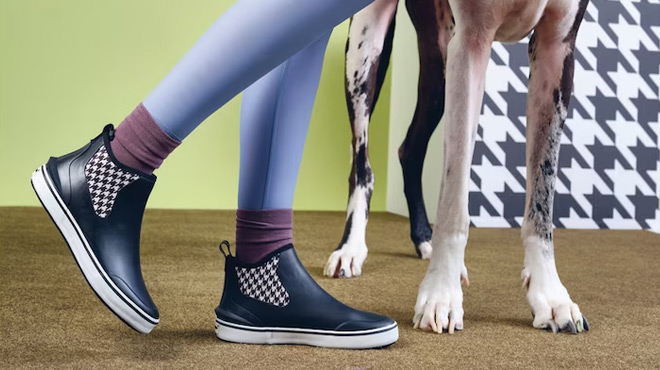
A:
(69, 67)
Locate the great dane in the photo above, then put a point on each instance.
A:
(454, 39)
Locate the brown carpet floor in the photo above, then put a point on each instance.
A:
(51, 319)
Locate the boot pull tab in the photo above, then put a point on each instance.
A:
(110, 129)
(222, 250)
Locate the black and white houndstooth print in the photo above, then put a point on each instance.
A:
(263, 284)
(105, 180)
(609, 160)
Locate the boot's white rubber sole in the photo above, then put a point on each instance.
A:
(373, 338)
(96, 276)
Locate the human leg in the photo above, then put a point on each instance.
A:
(90, 192)
(275, 115)
(249, 40)
(268, 296)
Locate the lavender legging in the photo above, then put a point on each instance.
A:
(252, 38)
(245, 43)
(275, 115)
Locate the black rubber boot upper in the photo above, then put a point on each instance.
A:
(115, 237)
(299, 302)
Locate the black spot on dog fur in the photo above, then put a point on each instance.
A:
(383, 63)
(572, 33)
(363, 170)
(360, 45)
(349, 105)
(547, 169)
(366, 211)
(567, 79)
(347, 231)
(364, 88)
(531, 47)
(555, 97)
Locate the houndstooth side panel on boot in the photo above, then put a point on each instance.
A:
(105, 180)
(263, 284)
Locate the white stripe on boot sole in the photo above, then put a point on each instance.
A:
(362, 339)
(96, 277)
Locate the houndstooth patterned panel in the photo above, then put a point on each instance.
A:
(105, 180)
(263, 284)
(608, 164)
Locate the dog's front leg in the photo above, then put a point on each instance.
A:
(550, 87)
(440, 299)
(367, 56)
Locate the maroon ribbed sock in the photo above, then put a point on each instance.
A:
(140, 143)
(260, 232)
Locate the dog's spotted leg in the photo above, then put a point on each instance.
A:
(550, 87)
(368, 50)
(434, 26)
(439, 304)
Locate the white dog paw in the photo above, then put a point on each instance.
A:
(551, 305)
(440, 302)
(424, 250)
(346, 261)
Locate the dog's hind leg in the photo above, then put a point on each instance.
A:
(550, 87)
(368, 50)
(434, 26)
